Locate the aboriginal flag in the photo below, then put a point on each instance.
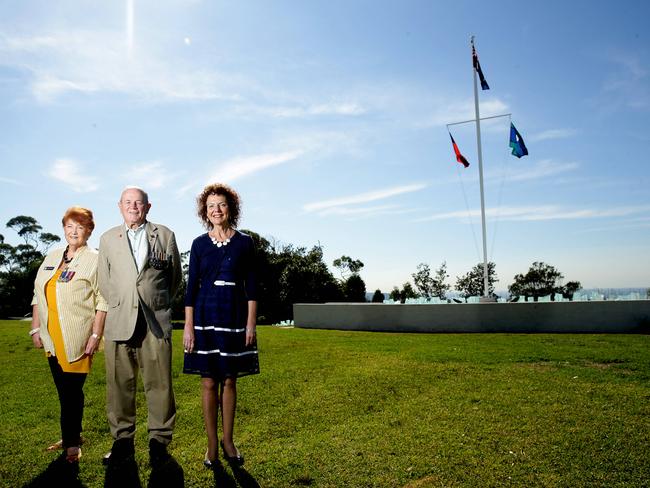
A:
(459, 157)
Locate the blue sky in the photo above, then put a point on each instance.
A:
(329, 117)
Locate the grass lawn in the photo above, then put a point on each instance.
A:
(358, 409)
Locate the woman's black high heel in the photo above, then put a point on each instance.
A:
(209, 464)
(237, 460)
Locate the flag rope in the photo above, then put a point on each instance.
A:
(504, 174)
(469, 213)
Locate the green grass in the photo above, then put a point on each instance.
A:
(358, 409)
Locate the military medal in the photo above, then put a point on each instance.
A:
(66, 276)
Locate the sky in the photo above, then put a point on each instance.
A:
(330, 120)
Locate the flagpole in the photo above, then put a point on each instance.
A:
(486, 282)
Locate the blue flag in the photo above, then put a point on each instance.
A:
(517, 142)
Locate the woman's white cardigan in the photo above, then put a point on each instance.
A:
(77, 300)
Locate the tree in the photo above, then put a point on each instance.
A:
(19, 264)
(26, 227)
(5, 251)
(441, 288)
(354, 289)
(423, 280)
(48, 240)
(569, 289)
(395, 294)
(431, 286)
(540, 280)
(407, 292)
(306, 279)
(472, 284)
(378, 297)
(347, 266)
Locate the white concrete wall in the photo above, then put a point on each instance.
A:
(526, 317)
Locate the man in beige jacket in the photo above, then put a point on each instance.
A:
(139, 272)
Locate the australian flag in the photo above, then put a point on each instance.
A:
(477, 67)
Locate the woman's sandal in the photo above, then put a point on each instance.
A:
(72, 454)
(59, 445)
(56, 446)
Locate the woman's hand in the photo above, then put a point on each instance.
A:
(36, 327)
(188, 337)
(95, 338)
(93, 344)
(188, 330)
(251, 329)
(36, 339)
(251, 334)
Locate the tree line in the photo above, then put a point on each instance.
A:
(286, 275)
(540, 280)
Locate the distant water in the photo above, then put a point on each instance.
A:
(585, 295)
(612, 294)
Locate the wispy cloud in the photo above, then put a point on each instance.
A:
(538, 213)
(636, 223)
(286, 150)
(11, 181)
(239, 167)
(310, 110)
(327, 205)
(552, 134)
(150, 174)
(373, 210)
(459, 111)
(98, 61)
(627, 86)
(541, 169)
(71, 173)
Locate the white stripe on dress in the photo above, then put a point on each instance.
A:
(218, 329)
(217, 351)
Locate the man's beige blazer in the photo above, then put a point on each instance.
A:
(126, 290)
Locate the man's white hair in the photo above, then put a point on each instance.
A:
(145, 195)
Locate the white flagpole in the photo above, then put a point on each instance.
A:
(486, 282)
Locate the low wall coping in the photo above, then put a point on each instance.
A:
(603, 316)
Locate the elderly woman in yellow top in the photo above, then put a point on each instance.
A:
(68, 315)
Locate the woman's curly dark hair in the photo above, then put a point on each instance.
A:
(232, 198)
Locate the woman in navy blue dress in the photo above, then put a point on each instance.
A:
(220, 315)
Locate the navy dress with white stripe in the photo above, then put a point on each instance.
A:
(220, 283)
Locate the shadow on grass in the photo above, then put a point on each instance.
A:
(125, 474)
(168, 475)
(122, 474)
(58, 473)
(242, 478)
